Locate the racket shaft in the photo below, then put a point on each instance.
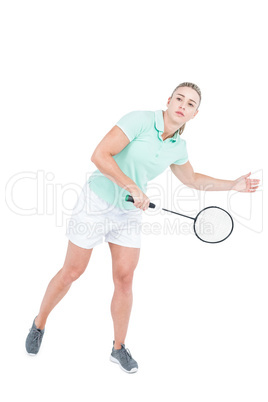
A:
(129, 198)
(177, 213)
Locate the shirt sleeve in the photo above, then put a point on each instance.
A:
(132, 124)
(183, 154)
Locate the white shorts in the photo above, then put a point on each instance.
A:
(93, 221)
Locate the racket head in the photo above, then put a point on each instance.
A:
(213, 225)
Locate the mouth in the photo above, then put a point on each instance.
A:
(179, 113)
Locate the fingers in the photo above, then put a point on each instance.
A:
(141, 202)
(252, 185)
(142, 206)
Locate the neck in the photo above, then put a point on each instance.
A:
(169, 127)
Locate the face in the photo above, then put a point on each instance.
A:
(183, 105)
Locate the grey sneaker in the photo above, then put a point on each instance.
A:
(34, 339)
(124, 359)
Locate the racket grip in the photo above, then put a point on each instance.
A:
(129, 198)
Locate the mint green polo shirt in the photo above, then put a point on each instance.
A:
(144, 158)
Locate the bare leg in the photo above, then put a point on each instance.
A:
(125, 260)
(75, 263)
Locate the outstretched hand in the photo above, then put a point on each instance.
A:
(246, 185)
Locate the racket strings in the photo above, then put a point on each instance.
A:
(213, 225)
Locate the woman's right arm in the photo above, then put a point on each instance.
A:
(111, 144)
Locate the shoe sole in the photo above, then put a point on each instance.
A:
(114, 360)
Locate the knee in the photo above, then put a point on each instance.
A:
(71, 273)
(123, 278)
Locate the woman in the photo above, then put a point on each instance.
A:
(137, 149)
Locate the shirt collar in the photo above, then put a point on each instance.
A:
(159, 125)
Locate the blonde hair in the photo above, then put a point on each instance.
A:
(189, 85)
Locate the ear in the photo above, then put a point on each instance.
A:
(168, 102)
(195, 113)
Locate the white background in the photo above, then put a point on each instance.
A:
(69, 71)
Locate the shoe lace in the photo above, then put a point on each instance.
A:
(37, 335)
(126, 353)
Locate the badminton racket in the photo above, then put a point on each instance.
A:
(211, 224)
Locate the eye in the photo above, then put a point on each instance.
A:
(179, 98)
(191, 104)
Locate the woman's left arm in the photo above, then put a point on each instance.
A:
(187, 176)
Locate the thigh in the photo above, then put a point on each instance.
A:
(126, 230)
(124, 259)
(77, 258)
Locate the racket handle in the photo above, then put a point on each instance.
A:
(129, 198)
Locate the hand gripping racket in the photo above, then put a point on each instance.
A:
(211, 224)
